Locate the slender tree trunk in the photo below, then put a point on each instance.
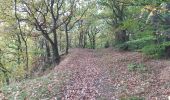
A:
(27, 59)
(48, 53)
(67, 39)
(94, 42)
(18, 49)
(80, 43)
(85, 41)
(60, 45)
(81, 40)
(91, 44)
(7, 78)
(90, 40)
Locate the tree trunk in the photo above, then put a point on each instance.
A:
(48, 53)
(7, 78)
(90, 40)
(167, 51)
(121, 36)
(85, 41)
(94, 43)
(67, 39)
(19, 50)
(27, 59)
(81, 40)
(56, 56)
(60, 41)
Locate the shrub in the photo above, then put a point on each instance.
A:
(123, 46)
(136, 44)
(136, 98)
(140, 43)
(136, 67)
(155, 51)
(132, 66)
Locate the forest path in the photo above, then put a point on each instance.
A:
(89, 75)
(103, 75)
(89, 78)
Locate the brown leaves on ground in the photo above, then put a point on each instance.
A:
(103, 75)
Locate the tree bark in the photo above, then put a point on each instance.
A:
(94, 42)
(85, 40)
(48, 53)
(81, 40)
(121, 36)
(56, 56)
(67, 39)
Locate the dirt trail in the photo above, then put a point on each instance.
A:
(103, 75)
(86, 77)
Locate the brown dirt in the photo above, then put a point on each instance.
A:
(103, 75)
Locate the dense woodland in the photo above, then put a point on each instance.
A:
(35, 35)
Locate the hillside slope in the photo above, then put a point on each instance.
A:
(97, 75)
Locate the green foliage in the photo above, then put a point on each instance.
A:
(123, 46)
(130, 24)
(148, 2)
(165, 44)
(136, 67)
(140, 43)
(137, 44)
(143, 37)
(155, 51)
